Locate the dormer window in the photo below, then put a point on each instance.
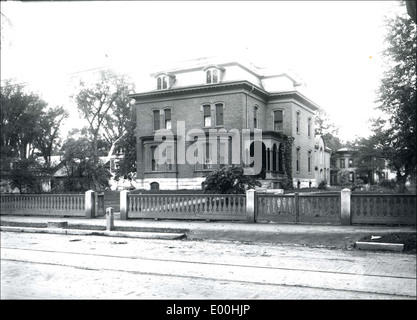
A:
(164, 81)
(213, 74)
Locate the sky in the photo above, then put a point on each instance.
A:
(334, 46)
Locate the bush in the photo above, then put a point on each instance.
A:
(229, 180)
(322, 185)
(359, 184)
(388, 184)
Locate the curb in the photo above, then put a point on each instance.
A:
(379, 246)
(124, 234)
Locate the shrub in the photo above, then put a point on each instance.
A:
(322, 185)
(229, 180)
(343, 176)
(388, 184)
(359, 184)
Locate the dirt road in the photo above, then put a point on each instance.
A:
(47, 266)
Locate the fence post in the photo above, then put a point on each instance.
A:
(109, 219)
(124, 204)
(345, 196)
(251, 206)
(90, 204)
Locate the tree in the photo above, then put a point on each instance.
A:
(82, 172)
(324, 127)
(105, 105)
(229, 180)
(29, 130)
(21, 114)
(369, 158)
(46, 139)
(395, 131)
(127, 143)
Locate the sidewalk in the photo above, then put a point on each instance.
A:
(329, 236)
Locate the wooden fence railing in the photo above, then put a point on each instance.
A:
(191, 206)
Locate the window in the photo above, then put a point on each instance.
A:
(274, 157)
(154, 165)
(154, 186)
(342, 163)
(298, 159)
(208, 76)
(278, 120)
(255, 117)
(170, 157)
(207, 115)
(156, 120)
(212, 75)
(219, 114)
(207, 157)
(309, 128)
(350, 163)
(162, 82)
(309, 161)
(167, 115)
(280, 158)
(297, 122)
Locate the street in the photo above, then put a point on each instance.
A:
(48, 266)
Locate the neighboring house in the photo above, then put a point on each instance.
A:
(322, 160)
(346, 159)
(209, 94)
(343, 159)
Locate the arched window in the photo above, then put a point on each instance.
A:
(208, 76)
(167, 119)
(164, 81)
(297, 122)
(219, 114)
(207, 115)
(154, 186)
(255, 117)
(278, 120)
(280, 158)
(274, 157)
(213, 74)
(298, 159)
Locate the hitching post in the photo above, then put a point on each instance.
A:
(109, 219)
(345, 195)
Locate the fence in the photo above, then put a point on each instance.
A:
(190, 206)
(87, 205)
(329, 208)
(335, 208)
(383, 209)
(299, 208)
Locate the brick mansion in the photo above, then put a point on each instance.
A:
(218, 95)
